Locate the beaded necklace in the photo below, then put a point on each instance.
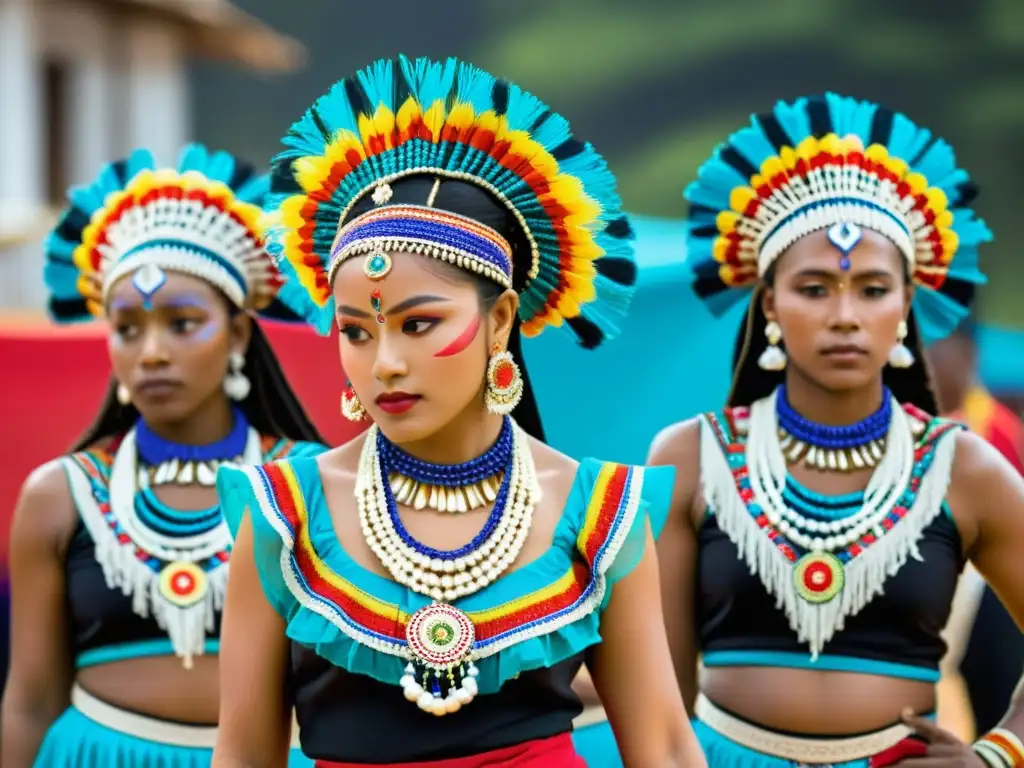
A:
(456, 488)
(846, 448)
(166, 462)
(172, 563)
(440, 676)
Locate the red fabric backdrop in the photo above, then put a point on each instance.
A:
(53, 380)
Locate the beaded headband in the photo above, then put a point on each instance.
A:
(450, 120)
(201, 219)
(837, 164)
(446, 236)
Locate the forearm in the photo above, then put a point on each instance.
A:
(20, 738)
(1003, 746)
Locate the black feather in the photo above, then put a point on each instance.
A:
(590, 336)
(621, 271)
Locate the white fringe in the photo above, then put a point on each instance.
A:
(865, 575)
(187, 627)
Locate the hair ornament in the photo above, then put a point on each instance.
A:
(452, 121)
(830, 160)
(201, 218)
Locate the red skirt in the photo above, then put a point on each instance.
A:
(555, 752)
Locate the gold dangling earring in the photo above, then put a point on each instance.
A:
(504, 383)
(900, 356)
(351, 408)
(773, 358)
(124, 395)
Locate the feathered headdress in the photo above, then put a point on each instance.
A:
(202, 218)
(830, 160)
(452, 121)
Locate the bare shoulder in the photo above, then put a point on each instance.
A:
(553, 467)
(45, 511)
(341, 463)
(677, 444)
(983, 483)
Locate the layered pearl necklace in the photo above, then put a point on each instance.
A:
(766, 463)
(440, 676)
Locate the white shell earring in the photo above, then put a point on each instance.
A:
(773, 358)
(124, 395)
(900, 356)
(236, 383)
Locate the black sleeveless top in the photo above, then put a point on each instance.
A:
(894, 629)
(534, 705)
(104, 625)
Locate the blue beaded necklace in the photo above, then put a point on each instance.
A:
(444, 487)
(163, 461)
(846, 448)
(449, 476)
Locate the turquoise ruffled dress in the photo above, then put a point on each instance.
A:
(534, 617)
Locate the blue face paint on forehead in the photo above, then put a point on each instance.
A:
(148, 280)
(845, 236)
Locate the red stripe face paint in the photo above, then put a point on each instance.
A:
(464, 339)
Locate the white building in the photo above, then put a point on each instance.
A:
(84, 81)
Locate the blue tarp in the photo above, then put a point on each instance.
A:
(670, 362)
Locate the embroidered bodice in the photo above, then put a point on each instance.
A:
(877, 604)
(348, 625)
(147, 580)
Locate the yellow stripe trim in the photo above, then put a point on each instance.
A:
(367, 601)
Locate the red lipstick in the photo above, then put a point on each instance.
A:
(396, 403)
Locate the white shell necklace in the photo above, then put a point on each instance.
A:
(440, 676)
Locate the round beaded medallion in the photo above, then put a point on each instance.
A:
(377, 265)
(183, 584)
(440, 636)
(818, 577)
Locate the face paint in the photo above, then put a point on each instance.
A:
(375, 303)
(464, 339)
(147, 281)
(845, 236)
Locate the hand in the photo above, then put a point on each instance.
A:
(944, 749)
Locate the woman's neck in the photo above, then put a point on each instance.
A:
(463, 439)
(830, 407)
(209, 423)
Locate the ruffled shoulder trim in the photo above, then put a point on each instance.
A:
(536, 616)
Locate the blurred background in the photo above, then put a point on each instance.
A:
(654, 84)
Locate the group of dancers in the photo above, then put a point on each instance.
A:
(202, 581)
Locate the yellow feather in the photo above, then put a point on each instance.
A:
(944, 219)
(876, 153)
(773, 166)
(726, 221)
(807, 148)
(789, 157)
(740, 198)
(916, 182)
(434, 119)
(408, 112)
(719, 249)
(937, 199)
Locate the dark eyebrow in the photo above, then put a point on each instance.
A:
(345, 309)
(413, 301)
(829, 274)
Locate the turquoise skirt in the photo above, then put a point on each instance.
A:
(595, 743)
(76, 740)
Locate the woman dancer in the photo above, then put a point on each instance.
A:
(819, 543)
(119, 553)
(427, 594)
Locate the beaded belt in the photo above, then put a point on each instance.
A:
(147, 728)
(801, 749)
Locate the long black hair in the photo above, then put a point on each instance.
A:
(750, 382)
(271, 407)
(469, 200)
